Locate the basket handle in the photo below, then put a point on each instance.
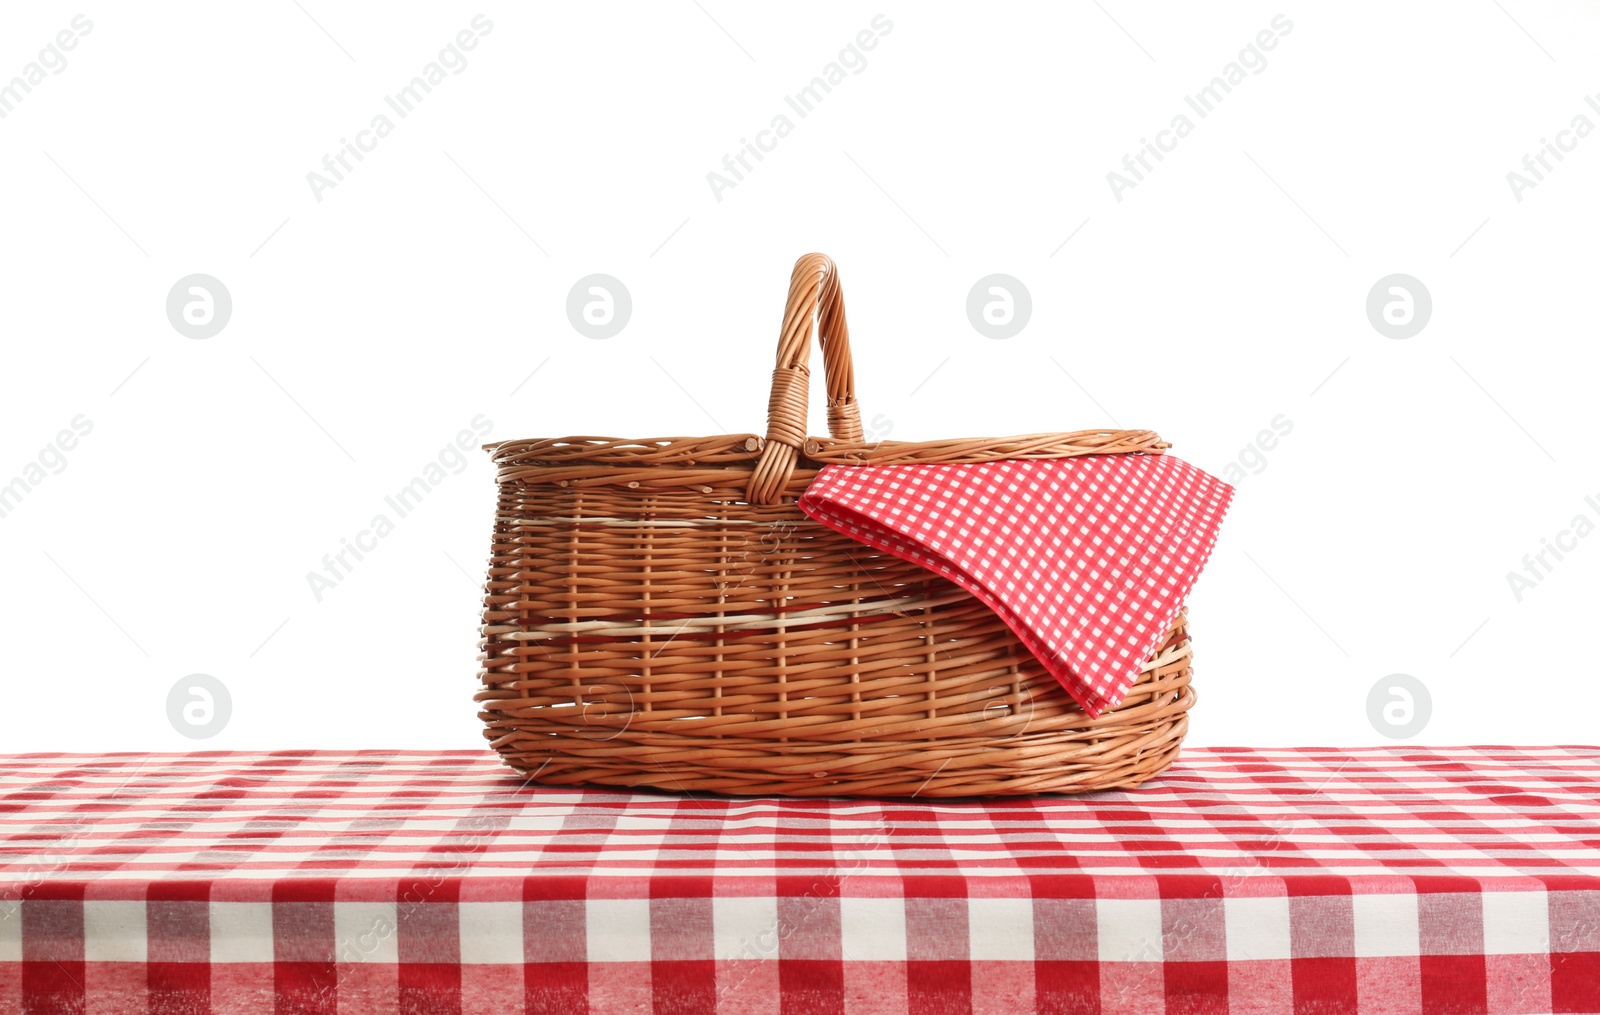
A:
(814, 293)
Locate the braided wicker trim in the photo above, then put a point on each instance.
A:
(657, 523)
(524, 458)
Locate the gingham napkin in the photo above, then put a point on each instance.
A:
(1087, 559)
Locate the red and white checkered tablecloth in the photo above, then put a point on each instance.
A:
(1411, 880)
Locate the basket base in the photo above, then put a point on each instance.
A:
(943, 772)
(1069, 761)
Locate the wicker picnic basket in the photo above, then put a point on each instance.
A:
(659, 613)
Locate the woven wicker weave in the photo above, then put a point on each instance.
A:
(660, 613)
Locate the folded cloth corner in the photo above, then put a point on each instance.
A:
(1087, 559)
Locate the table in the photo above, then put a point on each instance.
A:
(1310, 880)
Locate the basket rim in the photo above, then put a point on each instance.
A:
(818, 451)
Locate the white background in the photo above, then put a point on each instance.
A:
(371, 326)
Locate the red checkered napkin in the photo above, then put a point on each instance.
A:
(1087, 559)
